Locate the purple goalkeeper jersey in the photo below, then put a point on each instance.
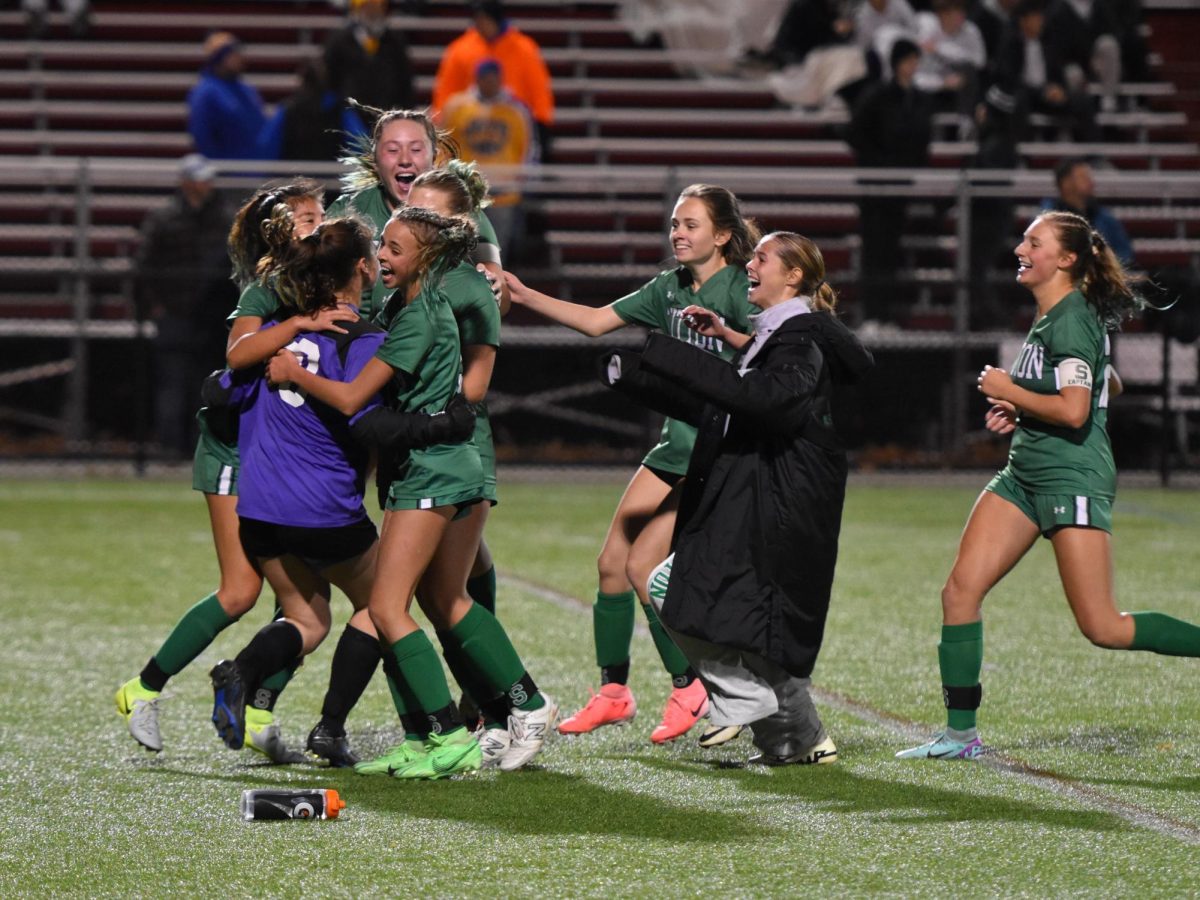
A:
(300, 466)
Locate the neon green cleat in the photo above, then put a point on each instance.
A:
(446, 755)
(262, 735)
(395, 759)
(139, 706)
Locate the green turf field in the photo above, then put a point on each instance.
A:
(1092, 787)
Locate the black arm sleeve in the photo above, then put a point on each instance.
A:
(777, 399)
(394, 431)
(622, 371)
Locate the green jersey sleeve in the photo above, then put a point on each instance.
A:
(647, 305)
(1078, 335)
(409, 339)
(256, 300)
(475, 308)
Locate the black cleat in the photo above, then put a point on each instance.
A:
(229, 704)
(333, 749)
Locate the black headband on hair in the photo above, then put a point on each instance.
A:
(267, 204)
(1098, 242)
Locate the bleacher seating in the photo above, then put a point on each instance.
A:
(621, 107)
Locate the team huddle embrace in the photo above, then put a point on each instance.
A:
(365, 338)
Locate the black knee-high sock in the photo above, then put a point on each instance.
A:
(354, 663)
(276, 646)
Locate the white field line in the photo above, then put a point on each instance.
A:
(913, 732)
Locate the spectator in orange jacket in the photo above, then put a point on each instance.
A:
(525, 74)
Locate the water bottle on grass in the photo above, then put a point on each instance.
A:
(272, 803)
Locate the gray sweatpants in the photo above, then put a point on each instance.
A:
(747, 689)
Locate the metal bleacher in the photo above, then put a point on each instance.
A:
(89, 131)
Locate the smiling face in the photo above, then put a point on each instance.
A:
(693, 237)
(398, 256)
(307, 214)
(430, 198)
(402, 153)
(771, 280)
(1040, 256)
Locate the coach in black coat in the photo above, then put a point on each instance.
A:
(757, 533)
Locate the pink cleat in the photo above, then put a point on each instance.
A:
(614, 705)
(685, 707)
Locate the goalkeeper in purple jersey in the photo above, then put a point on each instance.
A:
(301, 514)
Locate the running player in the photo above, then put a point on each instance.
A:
(712, 242)
(403, 144)
(215, 474)
(438, 484)
(1060, 479)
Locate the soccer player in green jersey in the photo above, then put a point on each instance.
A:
(1060, 480)
(435, 486)
(712, 242)
(215, 471)
(458, 188)
(404, 143)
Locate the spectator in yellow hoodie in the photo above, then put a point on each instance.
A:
(525, 74)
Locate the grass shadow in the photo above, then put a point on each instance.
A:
(544, 802)
(839, 789)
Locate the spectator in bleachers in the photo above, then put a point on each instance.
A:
(1085, 32)
(1077, 194)
(225, 114)
(35, 12)
(492, 127)
(891, 126)
(525, 73)
(953, 56)
(182, 269)
(313, 123)
(807, 25)
(877, 24)
(367, 60)
(992, 17)
(1028, 75)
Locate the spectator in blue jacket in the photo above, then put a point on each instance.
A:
(225, 114)
(1077, 194)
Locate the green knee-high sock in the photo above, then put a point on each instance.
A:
(482, 589)
(1164, 634)
(960, 658)
(191, 634)
(421, 668)
(485, 644)
(408, 708)
(672, 657)
(612, 629)
(469, 678)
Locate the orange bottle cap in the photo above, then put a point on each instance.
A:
(333, 804)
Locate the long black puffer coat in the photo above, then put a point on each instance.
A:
(757, 534)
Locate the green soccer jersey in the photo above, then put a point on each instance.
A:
(659, 304)
(1051, 459)
(423, 343)
(255, 300)
(372, 205)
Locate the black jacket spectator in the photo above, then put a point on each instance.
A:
(757, 534)
(382, 78)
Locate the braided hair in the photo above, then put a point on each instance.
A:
(443, 242)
